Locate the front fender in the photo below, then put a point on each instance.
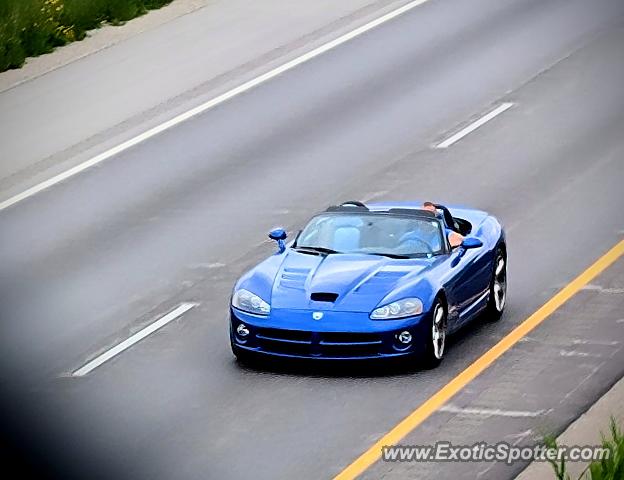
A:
(260, 279)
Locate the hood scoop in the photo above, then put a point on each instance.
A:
(346, 282)
(324, 297)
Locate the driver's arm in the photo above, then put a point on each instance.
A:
(454, 238)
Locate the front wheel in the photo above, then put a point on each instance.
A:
(436, 342)
(498, 287)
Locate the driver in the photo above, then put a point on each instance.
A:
(454, 238)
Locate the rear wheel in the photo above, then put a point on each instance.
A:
(436, 342)
(498, 287)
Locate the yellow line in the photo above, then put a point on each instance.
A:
(443, 395)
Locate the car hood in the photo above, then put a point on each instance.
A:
(360, 281)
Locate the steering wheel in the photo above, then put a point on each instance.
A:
(410, 237)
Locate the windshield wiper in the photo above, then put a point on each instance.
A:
(390, 255)
(321, 250)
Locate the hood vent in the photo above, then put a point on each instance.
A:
(324, 297)
(383, 279)
(294, 278)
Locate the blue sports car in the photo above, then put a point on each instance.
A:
(371, 281)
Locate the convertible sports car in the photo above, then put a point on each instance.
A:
(371, 281)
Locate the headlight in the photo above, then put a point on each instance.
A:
(248, 302)
(407, 307)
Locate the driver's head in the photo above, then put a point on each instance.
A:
(429, 206)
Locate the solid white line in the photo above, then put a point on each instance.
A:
(474, 125)
(140, 335)
(210, 104)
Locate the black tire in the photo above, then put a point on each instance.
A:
(437, 326)
(498, 287)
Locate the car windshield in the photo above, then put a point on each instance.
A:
(370, 233)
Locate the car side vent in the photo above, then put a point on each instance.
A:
(324, 297)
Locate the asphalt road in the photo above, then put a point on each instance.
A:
(177, 218)
(145, 74)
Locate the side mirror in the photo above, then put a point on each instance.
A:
(471, 242)
(279, 235)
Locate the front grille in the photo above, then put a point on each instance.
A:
(279, 334)
(349, 350)
(347, 338)
(286, 348)
(345, 345)
(318, 344)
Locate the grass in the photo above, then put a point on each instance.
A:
(30, 28)
(609, 468)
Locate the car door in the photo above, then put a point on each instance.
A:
(466, 283)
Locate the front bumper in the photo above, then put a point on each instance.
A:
(337, 336)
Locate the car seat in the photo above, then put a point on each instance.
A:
(347, 234)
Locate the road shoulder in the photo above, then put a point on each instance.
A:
(96, 40)
(586, 430)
